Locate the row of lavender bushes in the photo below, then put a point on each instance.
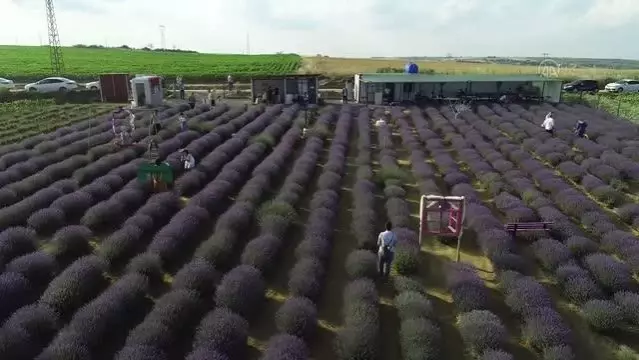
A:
(198, 278)
(603, 277)
(420, 334)
(73, 242)
(542, 327)
(143, 274)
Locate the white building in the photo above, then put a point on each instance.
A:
(388, 87)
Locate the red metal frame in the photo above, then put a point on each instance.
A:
(450, 212)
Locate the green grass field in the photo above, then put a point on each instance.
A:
(26, 63)
(622, 105)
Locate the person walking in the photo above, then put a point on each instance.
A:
(192, 101)
(549, 124)
(211, 97)
(131, 120)
(580, 129)
(182, 91)
(386, 242)
(182, 120)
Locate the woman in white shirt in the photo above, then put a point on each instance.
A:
(549, 124)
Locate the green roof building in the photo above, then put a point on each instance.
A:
(384, 88)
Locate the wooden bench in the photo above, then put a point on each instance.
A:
(512, 228)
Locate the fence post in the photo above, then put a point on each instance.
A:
(619, 105)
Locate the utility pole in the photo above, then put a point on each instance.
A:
(545, 55)
(55, 50)
(163, 37)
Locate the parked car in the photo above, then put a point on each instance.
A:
(625, 85)
(94, 85)
(581, 86)
(6, 84)
(52, 84)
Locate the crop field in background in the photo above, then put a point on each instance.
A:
(622, 105)
(27, 63)
(22, 119)
(267, 248)
(347, 67)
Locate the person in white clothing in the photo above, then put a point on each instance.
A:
(188, 160)
(386, 242)
(131, 120)
(182, 120)
(380, 123)
(549, 124)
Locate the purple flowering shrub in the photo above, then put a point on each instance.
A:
(551, 253)
(561, 352)
(141, 352)
(71, 242)
(412, 304)
(199, 276)
(148, 265)
(171, 316)
(602, 315)
(628, 212)
(285, 346)
(241, 290)
(467, 288)
(262, 252)
(359, 337)
(544, 328)
(492, 354)
(420, 339)
(611, 274)
(305, 278)
(362, 264)
(76, 285)
(580, 246)
(297, 316)
(37, 267)
(482, 330)
(106, 320)
(628, 303)
(224, 331)
(526, 294)
(46, 221)
(16, 241)
(28, 331)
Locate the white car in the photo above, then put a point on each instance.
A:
(94, 85)
(52, 84)
(6, 84)
(625, 85)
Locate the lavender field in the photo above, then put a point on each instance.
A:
(267, 249)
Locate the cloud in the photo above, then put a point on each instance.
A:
(580, 28)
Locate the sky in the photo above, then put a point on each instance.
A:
(338, 28)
